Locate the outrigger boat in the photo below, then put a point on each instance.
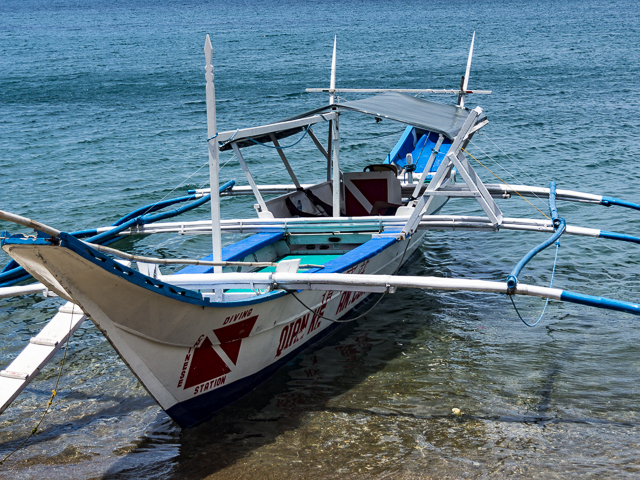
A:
(317, 255)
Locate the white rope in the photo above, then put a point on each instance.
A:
(177, 187)
(512, 160)
(507, 171)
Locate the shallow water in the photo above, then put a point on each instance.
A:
(102, 110)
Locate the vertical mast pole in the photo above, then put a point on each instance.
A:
(214, 158)
(334, 136)
(332, 84)
(332, 96)
(465, 82)
(335, 133)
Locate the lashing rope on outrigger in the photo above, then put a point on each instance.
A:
(546, 303)
(559, 226)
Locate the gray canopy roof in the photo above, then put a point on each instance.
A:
(417, 112)
(432, 116)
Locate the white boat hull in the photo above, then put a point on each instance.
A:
(195, 357)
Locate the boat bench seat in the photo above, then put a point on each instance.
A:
(359, 254)
(236, 251)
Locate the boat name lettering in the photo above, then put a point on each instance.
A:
(359, 268)
(237, 316)
(292, 333)
(216, 382)
(349, 298)
(295, 331)
(186, 365)
(318, 313)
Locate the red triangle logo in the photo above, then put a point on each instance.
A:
(231, 336)
(206, 365)
(232, 350)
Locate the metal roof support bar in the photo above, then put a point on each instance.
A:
(285, 161)
(321, 147)
(399, 90)
(318, 144)
(485, 199)
(264, 211)
(273, 127)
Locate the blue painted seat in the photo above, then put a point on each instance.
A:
(421, 155)
(236, 251)
(359, 254)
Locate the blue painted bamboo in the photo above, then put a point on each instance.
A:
(512, 279)
(9, 266)
(608, 201)
(150, 218)
(619, 236)
(172, 213)
(600, 302)
(153, 207)
(11, 276)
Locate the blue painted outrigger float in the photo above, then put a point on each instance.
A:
(208, 334)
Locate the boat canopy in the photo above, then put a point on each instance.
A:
(417, 112)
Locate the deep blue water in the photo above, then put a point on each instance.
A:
(102, 110)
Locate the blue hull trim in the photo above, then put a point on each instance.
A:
(197, 410)
(359, 254)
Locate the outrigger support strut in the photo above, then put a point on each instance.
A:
(40, 350)
(455, 158)
(264, 211)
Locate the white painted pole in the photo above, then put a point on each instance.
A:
(336, 166)
(332, 95)
(214, 159)
(352, 282)
(332, 83)
(6, 292)
(466, 73)
(448, 91)
(334, 136)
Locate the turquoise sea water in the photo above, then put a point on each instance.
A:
(102, 110)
